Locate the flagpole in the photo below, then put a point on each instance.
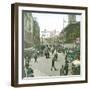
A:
(63, 30)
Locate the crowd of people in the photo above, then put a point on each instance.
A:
(51, 52)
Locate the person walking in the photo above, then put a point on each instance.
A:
(35, 56)
(56, 55)
(66, 69)
(29, 71)
(53, 63)
(62, 71)
(66, 66)
(47, 52)
(52, 50)
(27, 59)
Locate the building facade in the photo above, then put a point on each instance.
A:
(31, 30)
(71, 19)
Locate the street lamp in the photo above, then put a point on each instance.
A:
(63, 29)
(64, 21)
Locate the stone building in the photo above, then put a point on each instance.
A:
(71, 19)
(71, 31)
(28, 29)
(36, 33)
(31, 30)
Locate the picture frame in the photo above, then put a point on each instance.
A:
(35, 31)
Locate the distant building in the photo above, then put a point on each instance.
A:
(45, 33)
(71, 19)
(49, 37)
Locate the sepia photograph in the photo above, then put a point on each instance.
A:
(49, 44)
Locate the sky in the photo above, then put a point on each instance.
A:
(51, 22)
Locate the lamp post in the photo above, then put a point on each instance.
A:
(63, 30)
(64, 21)
(43, 35)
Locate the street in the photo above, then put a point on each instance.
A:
(50, 50)
(43, 66)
